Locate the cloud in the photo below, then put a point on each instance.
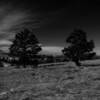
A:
(4, 45)
(5, 42)
(14, 17)
(51, 50)
(10, 21)
(13, 20)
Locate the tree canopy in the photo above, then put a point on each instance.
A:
(79, 46)
(25, 46)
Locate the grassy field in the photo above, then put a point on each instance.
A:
(57, 82)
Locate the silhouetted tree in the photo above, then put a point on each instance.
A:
(25, 47)
(78, 47)
(1, 64)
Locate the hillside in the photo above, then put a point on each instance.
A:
(58, 82)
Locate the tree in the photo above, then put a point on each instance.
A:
(79, 47)
(50, 59)
(25, 47)
(1, 64)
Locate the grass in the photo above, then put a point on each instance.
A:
(57, 82)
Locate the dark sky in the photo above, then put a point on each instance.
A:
(51, 21)
(62, 17)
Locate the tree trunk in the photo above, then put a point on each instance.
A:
(24, 65)
(76, 60)
(77, 63)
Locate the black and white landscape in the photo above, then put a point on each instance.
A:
(49, 50)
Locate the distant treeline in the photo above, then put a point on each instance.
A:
(41, 59)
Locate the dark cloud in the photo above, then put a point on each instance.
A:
(14, 16)
(51, 20)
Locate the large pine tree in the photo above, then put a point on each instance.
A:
(79, 47)
(25, 47)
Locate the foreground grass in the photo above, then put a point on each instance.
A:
(59, 82)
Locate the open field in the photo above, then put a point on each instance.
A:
(55, 82)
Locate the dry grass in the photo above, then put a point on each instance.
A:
(59, 82)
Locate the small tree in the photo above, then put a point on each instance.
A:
(25, 47)
(78, 47)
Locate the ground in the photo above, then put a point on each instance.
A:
(54, 82)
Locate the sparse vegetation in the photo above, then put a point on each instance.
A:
(55, 83)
